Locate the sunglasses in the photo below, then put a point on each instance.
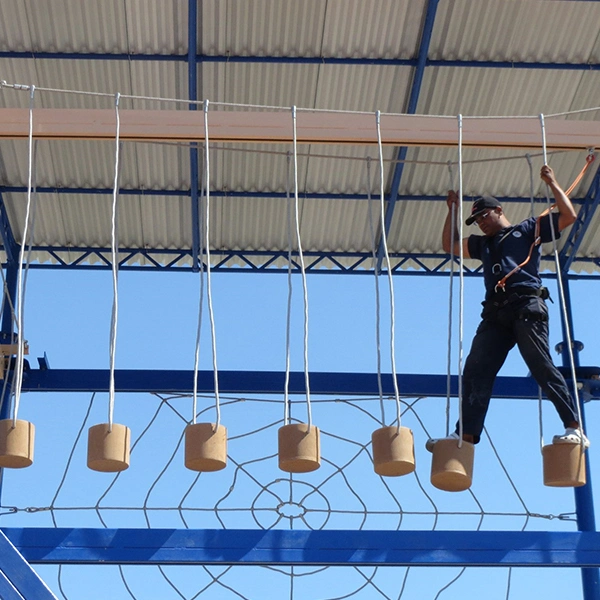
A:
(482, 217)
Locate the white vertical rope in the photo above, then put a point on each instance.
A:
(200, 311)
(288, 318)
(389, 268)
(563, 302)
(20, 284)
(461, 278)
(450, 304)
(302, 267)
(208, 278)
(532, 205)
(115, 270)
(377, 296)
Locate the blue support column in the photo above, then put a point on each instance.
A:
(6, 330)
(11, 250)
(411, 109)
(584, 497)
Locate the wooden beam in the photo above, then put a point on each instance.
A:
(312, 127)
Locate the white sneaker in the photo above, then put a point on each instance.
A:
(431, 442)
(572, 436)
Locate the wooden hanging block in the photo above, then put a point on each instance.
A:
(451, 466)
(108, 448)
(299, 448)
(564, 465)
(205, 447)
(393, 451)
(16, 443)
(8, 350)
(13, 349)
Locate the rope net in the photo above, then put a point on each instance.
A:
(252, 493)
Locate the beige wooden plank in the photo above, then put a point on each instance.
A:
(312, 127)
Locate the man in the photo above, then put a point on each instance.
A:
(514, 311)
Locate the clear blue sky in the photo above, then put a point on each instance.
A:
(68, 315)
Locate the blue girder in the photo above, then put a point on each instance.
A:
(293, 547)
(299, 60)
(269, 382)
(411, 109)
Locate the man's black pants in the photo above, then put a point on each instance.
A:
(523, 322)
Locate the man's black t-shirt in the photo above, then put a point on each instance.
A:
(501, 253)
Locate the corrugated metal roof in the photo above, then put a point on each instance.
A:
(343, 55)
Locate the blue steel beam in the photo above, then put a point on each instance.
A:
(193, 96)
(8, 590)
(267, 382)
(301, 60)
(87, 191)
(411, 109)
(18, 574)
(303, 548)
(588, 209)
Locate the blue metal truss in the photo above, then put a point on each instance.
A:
(262, 261)
(83, 257)
(581, 225)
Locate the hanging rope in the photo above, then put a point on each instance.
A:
(208, 278)
(115, 270)
(461, 279)
(389, 270)
(302, 267)
(200, 311)
(532, 205)
(563, 302)
(377, 295)
(450, 305)
(288, 319)
(20, 283)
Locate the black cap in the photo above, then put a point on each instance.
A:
(480, 206)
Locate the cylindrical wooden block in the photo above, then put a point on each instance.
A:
(451, 466)
(205, 447)
(299, 448)
(108, 448)
(564, 465)
(393, 451)
(16, 443)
